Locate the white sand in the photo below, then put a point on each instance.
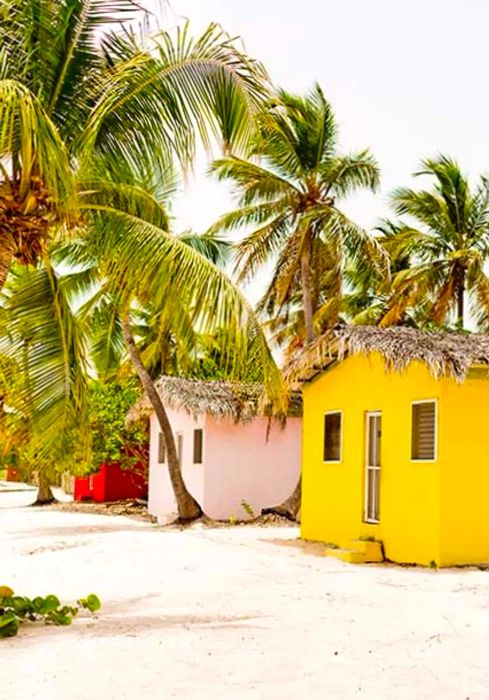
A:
(231, 614)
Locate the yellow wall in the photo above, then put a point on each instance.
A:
(333, 494)
(465, 474)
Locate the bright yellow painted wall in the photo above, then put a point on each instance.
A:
(465, 474)
(333, 494)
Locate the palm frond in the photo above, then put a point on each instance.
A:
(254, 182)
(254, 250)
(107, 196)
(41, 320)
(345, 174)
(31, 146)
(180, 85)
(180, 280)
(215, 249)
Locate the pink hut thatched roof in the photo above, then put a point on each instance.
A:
(240, 401)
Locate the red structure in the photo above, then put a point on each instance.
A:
(112, 483)
(12, 474)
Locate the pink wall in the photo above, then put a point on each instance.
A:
(238, 464)
(242, 465)
(161, 501)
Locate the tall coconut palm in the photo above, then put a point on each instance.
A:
(90, 117)
(185, 292)
(188, 295)
(289, 198)
(448, 245)
(367, 295)
(87, 113)
(290, 201)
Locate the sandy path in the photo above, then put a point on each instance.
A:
(232, 614)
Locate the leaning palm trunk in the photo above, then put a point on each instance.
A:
(45, 495)
(461, 300)
(6, 257)
(188, 508)
(291, 506)
(306, 292)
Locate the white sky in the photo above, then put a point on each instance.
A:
(407, 79)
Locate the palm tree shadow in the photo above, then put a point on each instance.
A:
(136, 625)
(77, 530)
(303, 546)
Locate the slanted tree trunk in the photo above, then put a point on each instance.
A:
(188, 508)
(461, 300)
(291, 506)
(6, 255)
(45, 495)
(306, 291)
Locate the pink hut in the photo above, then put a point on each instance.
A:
(234, 460)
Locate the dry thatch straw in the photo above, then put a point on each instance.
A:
(444, 353)
(239, 401)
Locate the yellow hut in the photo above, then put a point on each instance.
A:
(396, 445)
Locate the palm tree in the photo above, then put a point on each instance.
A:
(366, 296)
(448, 245)
(180, 288)
(204, 299)
(90, 120)
(290, 200)
(89, 114)
(47, 352)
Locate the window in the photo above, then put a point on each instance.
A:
(332, 437)
(198, 439)
(423, 434)
(179, 437)
(161, 449)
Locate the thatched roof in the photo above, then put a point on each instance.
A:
(239, 401)
(444, 353)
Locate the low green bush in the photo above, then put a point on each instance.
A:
(16, 609)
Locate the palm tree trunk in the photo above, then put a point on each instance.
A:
(188, 508)
(45, 495)
(461, 300)
(306, 291)
(291, 506)
(6, 257)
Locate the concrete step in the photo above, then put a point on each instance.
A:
(348, 555)
(357, 552)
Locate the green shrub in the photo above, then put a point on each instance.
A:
(16, 609)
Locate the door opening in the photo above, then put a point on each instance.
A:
(372, 467)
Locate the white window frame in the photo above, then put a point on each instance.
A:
(368, 467)
(340, 460)
(435, 458)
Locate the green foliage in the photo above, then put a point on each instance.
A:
(248, 509)
(15, 609)
(97, 108)
(112, 440)
(91, 603)
(446, 240)
(212, 359)
(288, 208)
